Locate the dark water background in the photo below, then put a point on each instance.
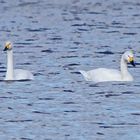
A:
(54, 39)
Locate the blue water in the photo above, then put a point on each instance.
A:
(54, 39)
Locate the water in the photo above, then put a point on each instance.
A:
(54, 39)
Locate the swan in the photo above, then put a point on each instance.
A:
(105, 74)
(11, 73)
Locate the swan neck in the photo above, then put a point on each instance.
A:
(10, 69)
(124, 70)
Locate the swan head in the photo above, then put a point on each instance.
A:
(8, 46)
(129, 57)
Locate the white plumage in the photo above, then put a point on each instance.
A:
(105, 74)
(11, 73)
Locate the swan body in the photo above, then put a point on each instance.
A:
(15, 74)
(105, 74)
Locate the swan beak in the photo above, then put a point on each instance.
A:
(5, 49)
(133, 63)
(7, 46)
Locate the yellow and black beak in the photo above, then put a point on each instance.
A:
(7, 47)
(131, 61)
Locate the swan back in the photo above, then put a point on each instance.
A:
(20, 74)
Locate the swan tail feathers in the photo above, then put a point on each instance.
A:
(85, 74)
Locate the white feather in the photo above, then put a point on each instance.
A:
(16, 74)
(105, 74)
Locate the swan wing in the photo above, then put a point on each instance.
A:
(20, 74)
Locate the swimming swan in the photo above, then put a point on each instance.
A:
(11, 73)
(104, 74)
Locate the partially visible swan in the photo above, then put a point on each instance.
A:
(105, 74)
(11, 73)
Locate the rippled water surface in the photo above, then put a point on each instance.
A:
(54, 39)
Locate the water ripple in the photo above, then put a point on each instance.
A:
(55, 39)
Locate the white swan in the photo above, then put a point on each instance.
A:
(104, 74)
(11, 73)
